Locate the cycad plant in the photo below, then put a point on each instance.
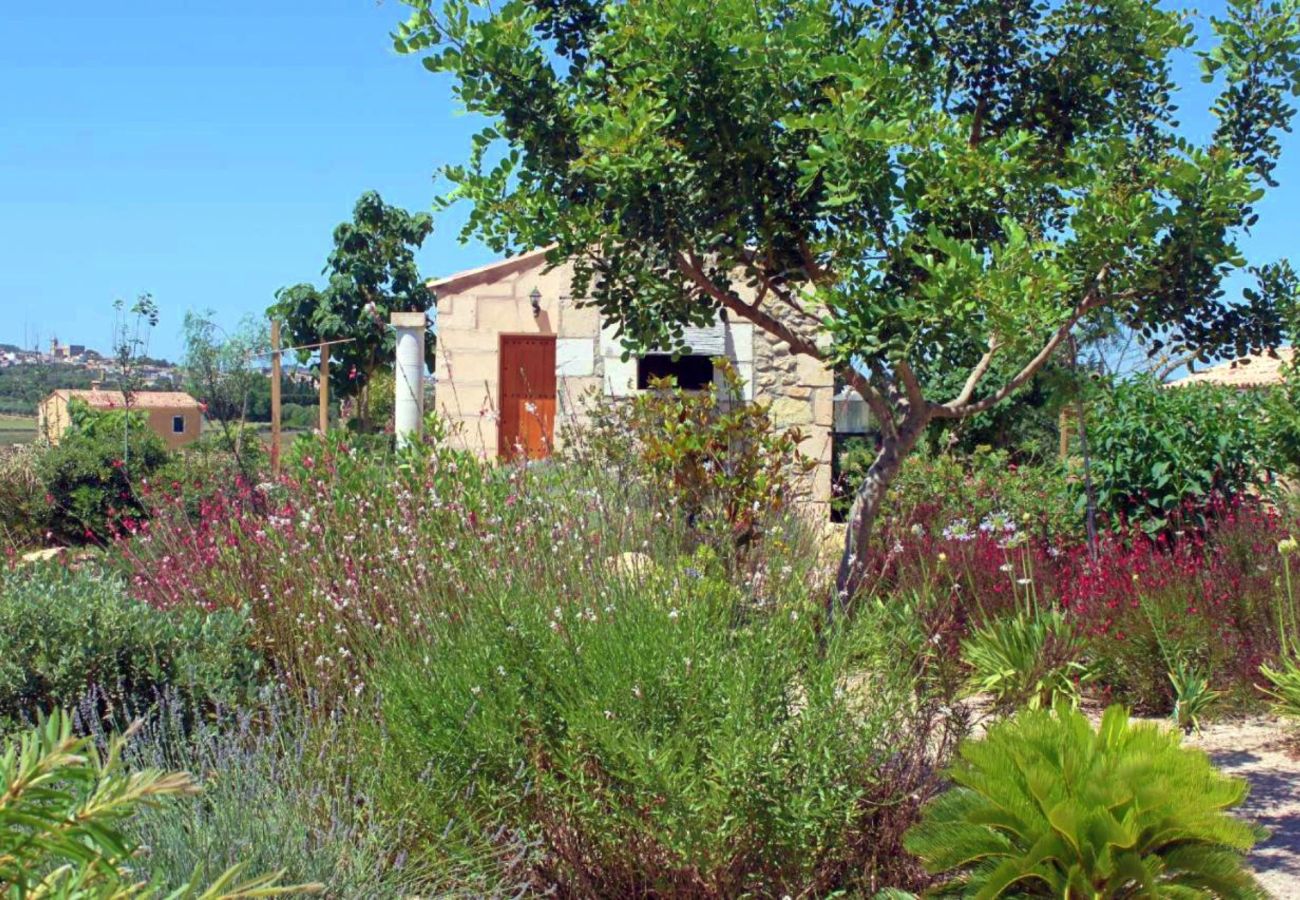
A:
(62, 804)
(1047, 806)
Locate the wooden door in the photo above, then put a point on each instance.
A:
(527, 398)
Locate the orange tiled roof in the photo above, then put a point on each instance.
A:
(1256, 370)
(140, 400)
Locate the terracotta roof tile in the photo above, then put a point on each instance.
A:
(1256, 370)
(141, 400)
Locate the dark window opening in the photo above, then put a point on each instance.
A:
(690, 373)
(178, 424)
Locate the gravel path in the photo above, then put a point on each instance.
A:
(1257, 749)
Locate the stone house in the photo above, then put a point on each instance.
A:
(516, 351)
(174, 416)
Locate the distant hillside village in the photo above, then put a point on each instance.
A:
(28, 376)
(80, 356)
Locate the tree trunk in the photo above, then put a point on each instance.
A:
(867, 502)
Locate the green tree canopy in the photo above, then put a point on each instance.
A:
(372, 273)
(895, 188)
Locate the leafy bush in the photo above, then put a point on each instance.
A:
(62, 631)
(23, 507)
(935, 491)
(63, 808)
(91, 475)
(1030, 658)
(1046, 806)
(1157, 451)
(658, 737)
(717, 463)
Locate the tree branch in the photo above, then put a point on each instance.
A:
(956, 410)
(973, 380)
(797, 343)
(690, 267)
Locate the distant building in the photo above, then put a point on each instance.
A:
(1254, 371)
(174, 416)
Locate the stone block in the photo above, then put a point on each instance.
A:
(578, 393)
(823, 406)
(497, 315)
(740, 342)
(620, 376)
(575, 357)
(578, 321)
(456, 313)
(787, 412)
(469, 366)
(813, 372)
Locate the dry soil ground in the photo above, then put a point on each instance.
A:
(1262, 751)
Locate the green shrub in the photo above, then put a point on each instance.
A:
(1157, 451)
(658, 738)
(938, 489)
(719, 464)
(63, 631)
(1029, 658)
(23, 507)
(1047, 806)
(63, 808)
(92, 474)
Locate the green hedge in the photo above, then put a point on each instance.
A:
(63, 631)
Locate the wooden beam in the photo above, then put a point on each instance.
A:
(275, 398)
(324, 388)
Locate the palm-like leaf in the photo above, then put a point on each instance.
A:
(1045, 806)
(61, 805)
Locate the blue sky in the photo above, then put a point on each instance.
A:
(204, 150)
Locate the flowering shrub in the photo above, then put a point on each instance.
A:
(936, 490)
(343, 548)
(1197, 599)
(349, 548)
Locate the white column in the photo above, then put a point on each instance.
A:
(408, 376)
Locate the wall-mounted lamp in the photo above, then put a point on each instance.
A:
(536, 298)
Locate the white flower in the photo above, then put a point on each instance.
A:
(673, 614)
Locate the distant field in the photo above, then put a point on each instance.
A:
(17, 429)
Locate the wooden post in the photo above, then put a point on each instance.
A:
(275, 398)
(324, 388)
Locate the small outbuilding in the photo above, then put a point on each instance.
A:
(517, 351)
(174, 416)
